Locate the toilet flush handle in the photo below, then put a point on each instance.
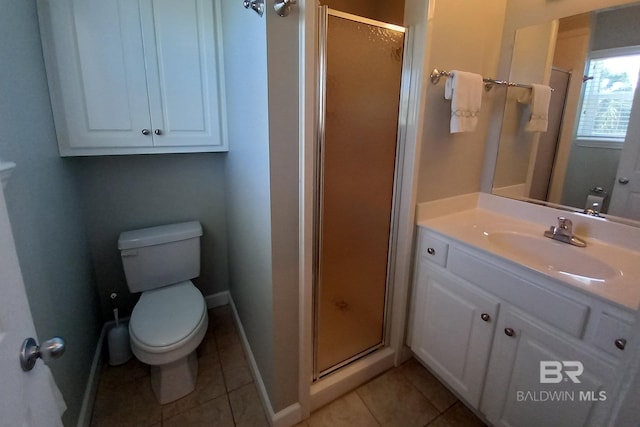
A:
(128, 253)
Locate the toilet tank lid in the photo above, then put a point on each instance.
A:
(158, 235)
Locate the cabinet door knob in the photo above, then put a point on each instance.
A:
(431, 251)
(624, 180)
(621, 343)
(509, 332)
(157, 132)
(145, 131)
(485, 317)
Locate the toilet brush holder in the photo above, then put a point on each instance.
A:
(118, 338)
(119, 347)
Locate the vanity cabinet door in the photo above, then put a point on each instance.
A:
(453, 328)
(573, 391)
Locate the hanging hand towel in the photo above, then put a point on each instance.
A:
(465, 92)
(539, 97)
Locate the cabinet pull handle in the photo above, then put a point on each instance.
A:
(621, 343)
(157, 132)
(431, 251)
(145, 131)
(485, 317)
(509, 332)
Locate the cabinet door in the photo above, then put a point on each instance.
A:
(453, 329)
(183, 66)
(95, 66)
(515, 393)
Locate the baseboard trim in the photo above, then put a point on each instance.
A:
(217, 299)
(288, 416)
(84, 419)
(350, 377)
(283, 418)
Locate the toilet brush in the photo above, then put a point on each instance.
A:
(118, 339)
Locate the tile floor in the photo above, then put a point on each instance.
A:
(226, 395)
(406, 396)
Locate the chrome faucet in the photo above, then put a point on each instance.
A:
(594, 210)
(564, 233)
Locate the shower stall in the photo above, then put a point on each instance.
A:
(360, 76)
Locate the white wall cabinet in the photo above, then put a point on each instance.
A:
(493, 362)
(134, 77)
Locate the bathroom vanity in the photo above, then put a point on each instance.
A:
(493, 298)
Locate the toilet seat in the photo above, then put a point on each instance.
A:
(165, 319)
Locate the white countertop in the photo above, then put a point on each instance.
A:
(479, 227)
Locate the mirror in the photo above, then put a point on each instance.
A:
(589, 157)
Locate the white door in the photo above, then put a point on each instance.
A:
(625, 200)
(26, 398)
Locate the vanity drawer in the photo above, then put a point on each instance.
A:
(558, 310)
(611, 334)
(433, 248)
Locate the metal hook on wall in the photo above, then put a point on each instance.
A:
(257, 5)
(283, 8)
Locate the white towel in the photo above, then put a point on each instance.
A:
(538, 98)
(465, 92)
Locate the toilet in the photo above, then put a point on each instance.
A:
(170, 319)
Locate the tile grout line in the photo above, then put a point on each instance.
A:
(367, 406)
(224, 379)
(427, 397)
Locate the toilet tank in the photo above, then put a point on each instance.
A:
(159, 256)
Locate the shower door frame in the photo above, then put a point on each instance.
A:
(323, 18)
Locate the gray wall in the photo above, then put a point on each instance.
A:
(617, 28)
(129, 192)
(589, 167)
(44, 206)
(248, 182)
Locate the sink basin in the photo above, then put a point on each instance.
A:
(552, 256)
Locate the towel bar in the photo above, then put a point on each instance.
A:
(437, 74)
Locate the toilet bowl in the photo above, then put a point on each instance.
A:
(165, 328)
(170, 319)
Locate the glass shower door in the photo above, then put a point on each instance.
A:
(361, 64)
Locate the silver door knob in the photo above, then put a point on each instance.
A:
(509, 332)
(485, 316)
(623, 180)
(157, 132)
(431, 251)
(145, 131)
(620, 343)
(31, 351)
